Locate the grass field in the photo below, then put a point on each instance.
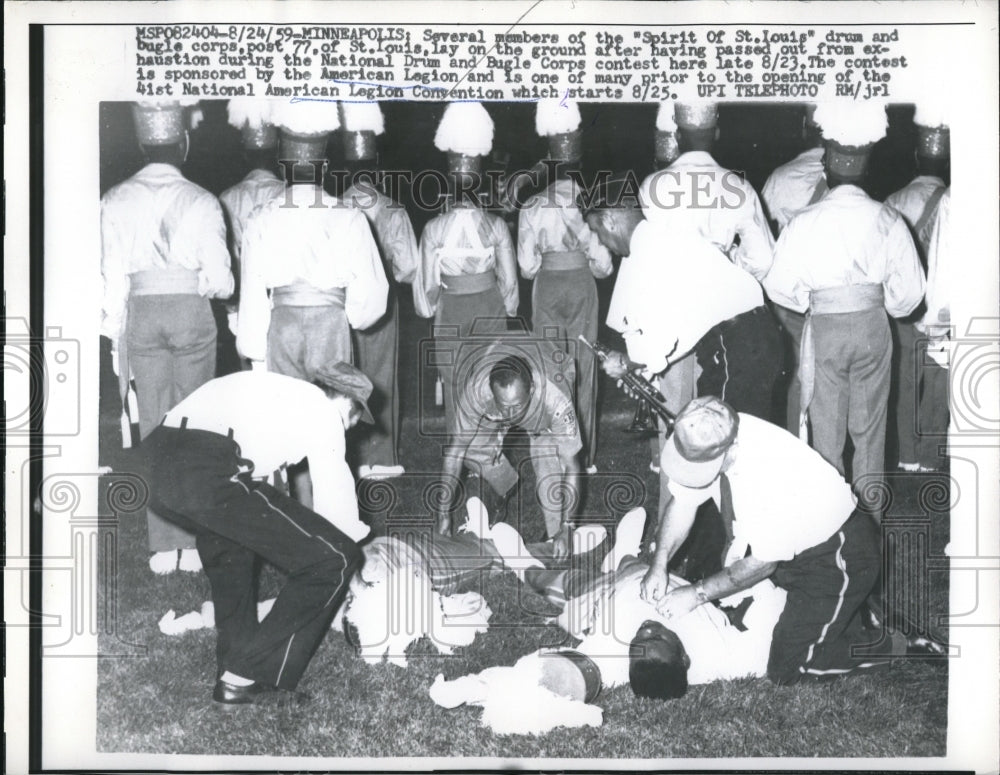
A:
(159, 700)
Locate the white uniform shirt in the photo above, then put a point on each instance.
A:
(277, 421)
(673, 287)
(846, 239)
(393, 230)
(464, 240)
(911, 201)
(718, 650)
(786, 498)
(696, 193)
(792, 187)
(325, 247)
(258, 187)
(551, 221)
(158, 219)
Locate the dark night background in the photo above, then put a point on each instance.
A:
(754, 138)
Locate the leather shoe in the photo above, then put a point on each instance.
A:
(229, 694)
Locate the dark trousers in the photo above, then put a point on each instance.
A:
(195, 481)
(377, 353)
(826, 586)
(564, 307)
(741, 361)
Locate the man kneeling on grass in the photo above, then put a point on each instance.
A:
(798, 521)
(208, 466)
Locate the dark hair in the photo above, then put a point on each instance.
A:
(164, 154)
(508, 369)
(652, 675)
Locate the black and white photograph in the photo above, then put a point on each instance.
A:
(569, 385)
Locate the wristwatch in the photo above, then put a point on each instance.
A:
(699, 592)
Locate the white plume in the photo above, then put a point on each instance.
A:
(665, 117)
(852, 123)
(465, 128)
(556, 117)
(931, 113)
(249, 111)
(307, 117)
(363, 116)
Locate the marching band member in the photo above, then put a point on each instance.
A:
(377, 347)
(259, 137)
(163, 256)
(847, 261)
(791, 188)
(707, 197)
(919, 393)
(320, 264)
(310, 273)
(467, 276)
(557, 249)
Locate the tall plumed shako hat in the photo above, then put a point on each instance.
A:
(164, 122)
(933, 134)
(253, 117)
(850, 130)
(465, 134)
(361, 122)
(559, 122)
(665, 142)
(305, 126)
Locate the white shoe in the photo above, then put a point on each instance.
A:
(654, 466)
(162, 563)
(628, 538)
(916, 468)
(477, 519)
(380, 472)
(587, 537)
(591, 469)
(190, 561)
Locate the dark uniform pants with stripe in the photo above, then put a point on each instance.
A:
(196, 481)
(820, 626)
(741, 361)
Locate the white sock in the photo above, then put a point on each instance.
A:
(478, 518)
(588, 537)
(236, 680)
(190, 560)
(162, 563)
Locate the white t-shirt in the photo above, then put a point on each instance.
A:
(786, 497)
(673, 287)
(276, 421)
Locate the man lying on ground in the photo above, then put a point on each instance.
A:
(624, 637)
